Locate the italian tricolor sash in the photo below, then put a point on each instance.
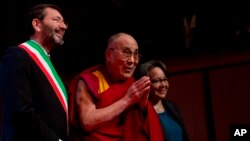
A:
(42, 60)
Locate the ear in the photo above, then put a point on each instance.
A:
(36, 24)
(108, 54)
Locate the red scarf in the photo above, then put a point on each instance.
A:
(134, 124)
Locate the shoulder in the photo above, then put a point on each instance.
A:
(14, 49)
(15, 58)
(170, 104)
(15, 52)
(85, 80)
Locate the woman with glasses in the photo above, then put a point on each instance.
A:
(170, 118)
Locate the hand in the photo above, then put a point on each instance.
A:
(138, 89)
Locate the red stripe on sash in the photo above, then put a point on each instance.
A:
(35, 58)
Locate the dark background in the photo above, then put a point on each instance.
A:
(157, 25)
(209, 78)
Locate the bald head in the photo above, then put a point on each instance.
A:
(121, 38)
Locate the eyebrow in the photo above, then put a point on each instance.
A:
(160, 78)
(128, 48)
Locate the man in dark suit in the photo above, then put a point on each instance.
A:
(34, 99)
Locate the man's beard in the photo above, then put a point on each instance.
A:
(51, 37)
(57, 40)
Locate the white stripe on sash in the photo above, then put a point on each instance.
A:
(48, 69)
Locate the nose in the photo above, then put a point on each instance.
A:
(64, 25)
(164, 82)
(131, 59)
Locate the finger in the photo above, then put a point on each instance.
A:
(144, 80)
(145, 91)
(144, 84)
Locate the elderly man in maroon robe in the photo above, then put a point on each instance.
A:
(107, 104)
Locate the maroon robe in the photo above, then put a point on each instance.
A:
(137, 123)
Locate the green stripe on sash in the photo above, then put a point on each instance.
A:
(37, 47)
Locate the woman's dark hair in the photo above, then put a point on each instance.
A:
(144, 68)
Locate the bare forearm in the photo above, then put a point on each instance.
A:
(99, 117)
(92, 118)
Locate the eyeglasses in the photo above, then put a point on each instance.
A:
(59, 20)
(159, 81)
(127, 54)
